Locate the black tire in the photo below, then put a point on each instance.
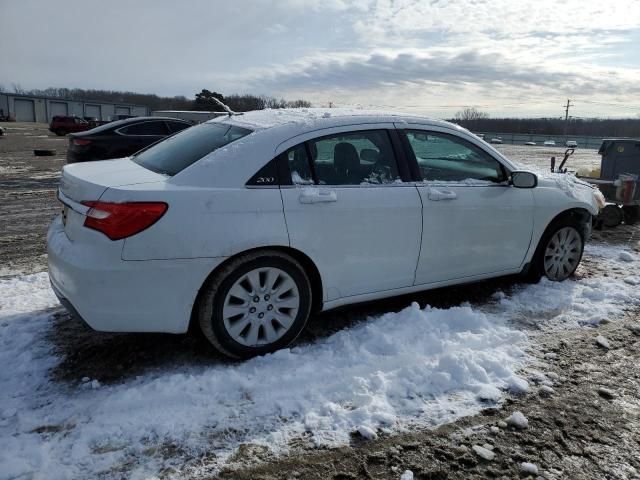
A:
(537, 269)
(44, 153)
(611, 216)
(60, 132)
(214, 292)
(631, 214)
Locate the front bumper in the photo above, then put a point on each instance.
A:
(114, 295)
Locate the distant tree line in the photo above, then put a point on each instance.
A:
(203, 100)
(478, 121)
(243, 103)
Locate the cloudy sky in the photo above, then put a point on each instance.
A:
(506, 57)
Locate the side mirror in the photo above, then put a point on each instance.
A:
(524, 180)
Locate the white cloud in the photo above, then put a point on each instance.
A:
(421, 52)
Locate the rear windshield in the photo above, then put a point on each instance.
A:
(176, 153)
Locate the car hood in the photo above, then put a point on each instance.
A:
(574, 188)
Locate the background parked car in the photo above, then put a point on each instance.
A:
(62, 125)
(549, 143)
(122, 138)
(571, 144)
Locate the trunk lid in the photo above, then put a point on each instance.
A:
(89, 180)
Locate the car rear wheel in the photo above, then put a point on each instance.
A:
(258, 303)
(60, 132)
(559, 251)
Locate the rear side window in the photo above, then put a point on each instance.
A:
(299, 165)
(145, 128)
(184, 148)
(448, 158)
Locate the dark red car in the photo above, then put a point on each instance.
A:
(61, 125)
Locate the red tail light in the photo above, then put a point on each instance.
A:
(121, 220)
(81, 142)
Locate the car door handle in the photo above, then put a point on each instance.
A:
(436, 195)
(317, 195)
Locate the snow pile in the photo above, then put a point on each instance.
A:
(416, 367)
(627, 256)
(518, 420)
(529, 468)
(572, 303)
(603, 342)
(483, 452)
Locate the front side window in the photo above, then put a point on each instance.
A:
(177, 152)
(443, 157)
(354, 158)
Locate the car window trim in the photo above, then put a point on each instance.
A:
(415, 167)
(170, 131)
(141, 135)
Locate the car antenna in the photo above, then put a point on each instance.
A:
(225, 108)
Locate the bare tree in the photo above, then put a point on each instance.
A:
(470, 114)
(17, 88)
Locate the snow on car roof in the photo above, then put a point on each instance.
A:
(268, 118)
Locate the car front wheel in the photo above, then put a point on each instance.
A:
(258, 303)
(560, 251)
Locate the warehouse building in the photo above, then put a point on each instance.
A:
(31, 108)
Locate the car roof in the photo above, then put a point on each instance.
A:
(273, 131)
(126, 121)
(301, 120)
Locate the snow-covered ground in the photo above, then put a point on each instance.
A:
(417, 367)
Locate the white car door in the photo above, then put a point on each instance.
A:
(351, 213)
(475, 222)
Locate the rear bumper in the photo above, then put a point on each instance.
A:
(114, 295)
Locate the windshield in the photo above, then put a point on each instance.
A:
(177, 152)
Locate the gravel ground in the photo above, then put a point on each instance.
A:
(27, 195)
(586, 428)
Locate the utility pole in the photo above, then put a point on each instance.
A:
(566, 115)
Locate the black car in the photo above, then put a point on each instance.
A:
(122, 138)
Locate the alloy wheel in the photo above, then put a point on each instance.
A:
(562, 254)
(261, 306)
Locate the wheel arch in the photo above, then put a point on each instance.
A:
(309, 266)
(582, 215)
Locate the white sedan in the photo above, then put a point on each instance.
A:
(246, 224)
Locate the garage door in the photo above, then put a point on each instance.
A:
(25, 111)
(92, 111)
(122, 111)
(58, 108)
